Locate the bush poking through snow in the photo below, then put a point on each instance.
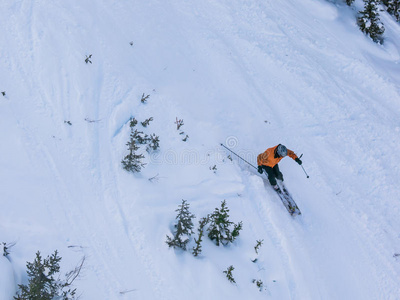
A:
(349, 2)
(219, 229)
(87, 59)
(259, 284)
(6, 248)
(258, 245)
(214, 168)
(202, 223)
(229, 275)
(144, 98)
(369, 21)
(147, 122)
(185, 138)
(44, 280)
(179, 123)
(184, 227)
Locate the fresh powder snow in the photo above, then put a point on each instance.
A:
(249, 74)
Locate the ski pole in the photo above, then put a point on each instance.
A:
(303, 168)
(237, 155)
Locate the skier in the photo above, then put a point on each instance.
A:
(269, 160)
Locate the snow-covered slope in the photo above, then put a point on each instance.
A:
(250, 74)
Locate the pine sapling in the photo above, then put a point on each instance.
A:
(146, 122)
(184, 227)
(202, 223)
(132, 162)
(144, 98)
(258, 245)
(229, 274)
(133, 122)
(219, 229)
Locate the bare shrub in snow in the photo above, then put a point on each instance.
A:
(179, 123)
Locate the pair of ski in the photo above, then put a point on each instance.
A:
(287, 200)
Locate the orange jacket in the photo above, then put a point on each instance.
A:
(270, 159)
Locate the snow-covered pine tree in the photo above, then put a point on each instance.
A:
(349, 2)
(202, 223)
(184, 227)
(369, 21)
(393, 8)
(219, 229)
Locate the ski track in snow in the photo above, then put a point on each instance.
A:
(259, 72)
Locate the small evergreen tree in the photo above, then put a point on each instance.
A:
(219, 229)
(184, 227)
(132, 162)
(369, 21)
(349, 2)
(202, 223)
(44, 281)
(229, 274)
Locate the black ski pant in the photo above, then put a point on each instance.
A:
(273, 174)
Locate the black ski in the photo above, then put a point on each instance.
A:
(288, 201)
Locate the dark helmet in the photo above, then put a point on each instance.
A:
(281, 150)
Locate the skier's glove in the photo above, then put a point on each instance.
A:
(298, 161)
(260, 169)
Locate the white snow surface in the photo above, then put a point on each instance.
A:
(250, 74)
